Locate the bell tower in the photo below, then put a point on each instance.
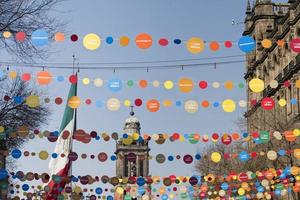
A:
(132, 164)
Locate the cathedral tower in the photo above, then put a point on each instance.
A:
(133, 161)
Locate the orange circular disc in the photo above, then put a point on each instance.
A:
(153, 105)
(185, 85)
(143, 41)
(143, 83)
(290, 136)
(59, 37)
(44, 78)
(214, 46)
(205, 104)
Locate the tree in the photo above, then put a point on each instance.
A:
(14, 113)
(260, 163)
(26, 16)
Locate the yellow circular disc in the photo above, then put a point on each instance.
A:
(33, 101)
(12, 74)
(195, 45)
(241, 191)
(181, 138)
(222, 193)
(216, 85)
(274, 84)
(298, 83)
(127, 103)
(229, 85)
(282, 102)
(77, 189)
(228, 105)
(216, 157)
(169, 85)
(155, 83)
(43, 155)
(259, 195)
(135, 136)
(86, 81)
(295, 171)
(296, 132)
(277, 135)
(257, 85)
(266, 43)
(297, 153)
(120, 190)
(1, 129)
(191, 106)
(272, 155)
(91, 41)
(98, 82)
(124, 41)
(74, 102)
(155, 136)
(6, 34)
(167, 103)
(113, 104)
(127, 141)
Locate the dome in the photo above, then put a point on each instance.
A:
(132, 125)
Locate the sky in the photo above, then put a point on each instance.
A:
(209, 20)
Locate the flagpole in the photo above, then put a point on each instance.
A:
(75, 124)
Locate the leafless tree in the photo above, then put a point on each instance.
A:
(27, 16)
(14, 112)
(260, 163)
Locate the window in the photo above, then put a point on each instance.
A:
(126, 166)
(141, 168)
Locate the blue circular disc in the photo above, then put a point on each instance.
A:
(39, 38)
(246, 44)
(99, 103)
(25, 187)
(60, 79)
(99, 190)
(244, 156)
(109, 40)
(177, 41)
(3, 174)
(115, 85)
(16, 153)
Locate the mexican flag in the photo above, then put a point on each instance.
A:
(60, 166)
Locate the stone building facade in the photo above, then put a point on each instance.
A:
(132, 163)
(279, 22)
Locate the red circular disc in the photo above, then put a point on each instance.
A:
(26, 77)
(228, 44)
(138, 102)
(163, 42)
(203, 84)
(73, 79)
(74, 38)
(58, 100)
(267, 103)
(20, 36)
